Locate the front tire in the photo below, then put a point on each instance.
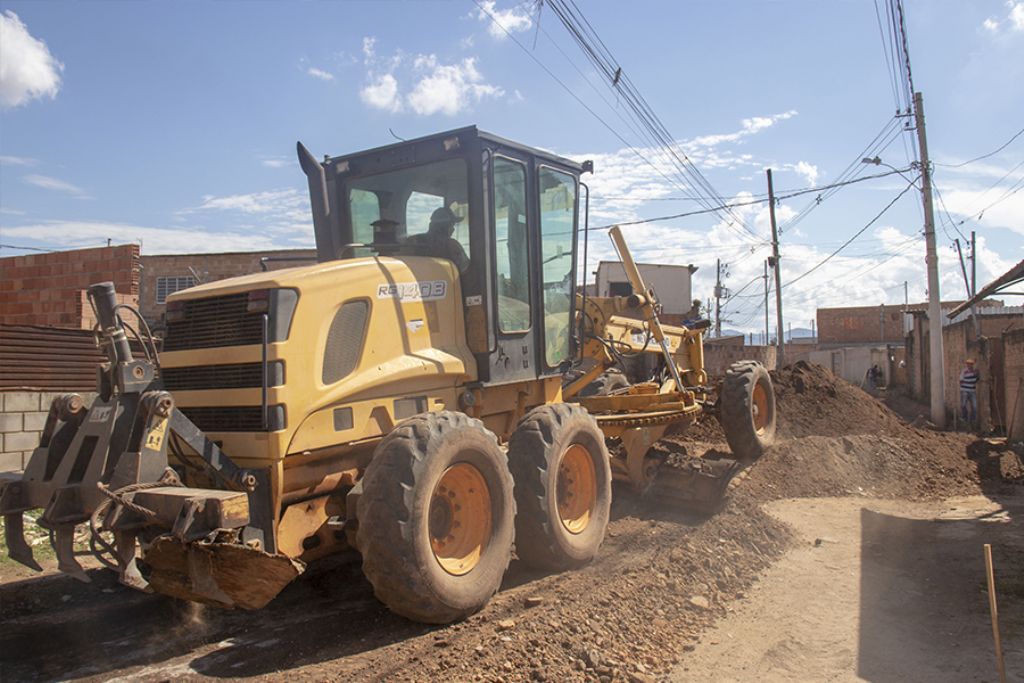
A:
(436, 518)
(562, 475)
(747, 410)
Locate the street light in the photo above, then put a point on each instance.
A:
(877, 161)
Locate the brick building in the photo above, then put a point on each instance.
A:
(872, 325)
(49, 289)
(163, 275)
(45, 346)
(995, 342)
(861, 325)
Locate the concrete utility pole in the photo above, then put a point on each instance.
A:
(881, 322)
(766, 335)
(974, 269)
(937, 383)
(779, 356)
(718, 297)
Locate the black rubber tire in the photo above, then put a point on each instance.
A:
(393, 533)
(736, 411)
(534, 454)
(606, 383)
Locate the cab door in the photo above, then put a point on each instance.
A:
(515, 350)
(557, 220)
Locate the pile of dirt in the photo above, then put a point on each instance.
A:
(812, 401)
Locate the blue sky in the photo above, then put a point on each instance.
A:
(175, 123)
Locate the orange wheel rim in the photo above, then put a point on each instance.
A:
(759, 408)
(576, 488)
(459, 519)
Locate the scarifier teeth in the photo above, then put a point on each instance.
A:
(64, 545)
(17, 548)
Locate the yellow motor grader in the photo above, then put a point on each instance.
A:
(433, 392)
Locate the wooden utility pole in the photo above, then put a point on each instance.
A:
(937, 383)
(767, 336)
(778, 277)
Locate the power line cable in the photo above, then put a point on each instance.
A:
(790, 195)
(984, 156)
(583, 33)
(849, 241)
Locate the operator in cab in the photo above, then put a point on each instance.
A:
(438, 242)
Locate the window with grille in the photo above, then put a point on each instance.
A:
(165, 286)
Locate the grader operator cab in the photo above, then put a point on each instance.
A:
(432, 392)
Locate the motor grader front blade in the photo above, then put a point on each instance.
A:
(221, 574)
(696, 484)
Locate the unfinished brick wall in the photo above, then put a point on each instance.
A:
(1013, 371)
(208, 268)
(860, 324)
(718, 358)
(47, 289)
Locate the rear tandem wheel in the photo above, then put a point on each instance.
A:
(562, 475)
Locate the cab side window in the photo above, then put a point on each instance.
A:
(557, 222)
(513, 272)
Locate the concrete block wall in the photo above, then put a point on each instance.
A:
(46, 289)
(22, 416)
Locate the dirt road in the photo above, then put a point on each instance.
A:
(661, 579)
(879, 591)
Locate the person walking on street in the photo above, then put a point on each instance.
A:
(969, 392)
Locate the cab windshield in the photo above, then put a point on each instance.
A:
(395, 209)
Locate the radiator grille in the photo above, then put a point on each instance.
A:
(213, 322)
(237, 376)
(235, 418)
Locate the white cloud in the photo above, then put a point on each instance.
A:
(750, 126)
(271, 201)
(514, 19)
(27, 69)
(1016, 15)
(57, 185)
(437, 88)
(283, 214)
(320, 74)
(276, 162)
(7, 160)
(995, 207)
(1014, 18)
(155, 240)
(382, 93)
(448, 88)
(807, 170)
(623, 182)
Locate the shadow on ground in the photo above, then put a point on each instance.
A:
(923, 599)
